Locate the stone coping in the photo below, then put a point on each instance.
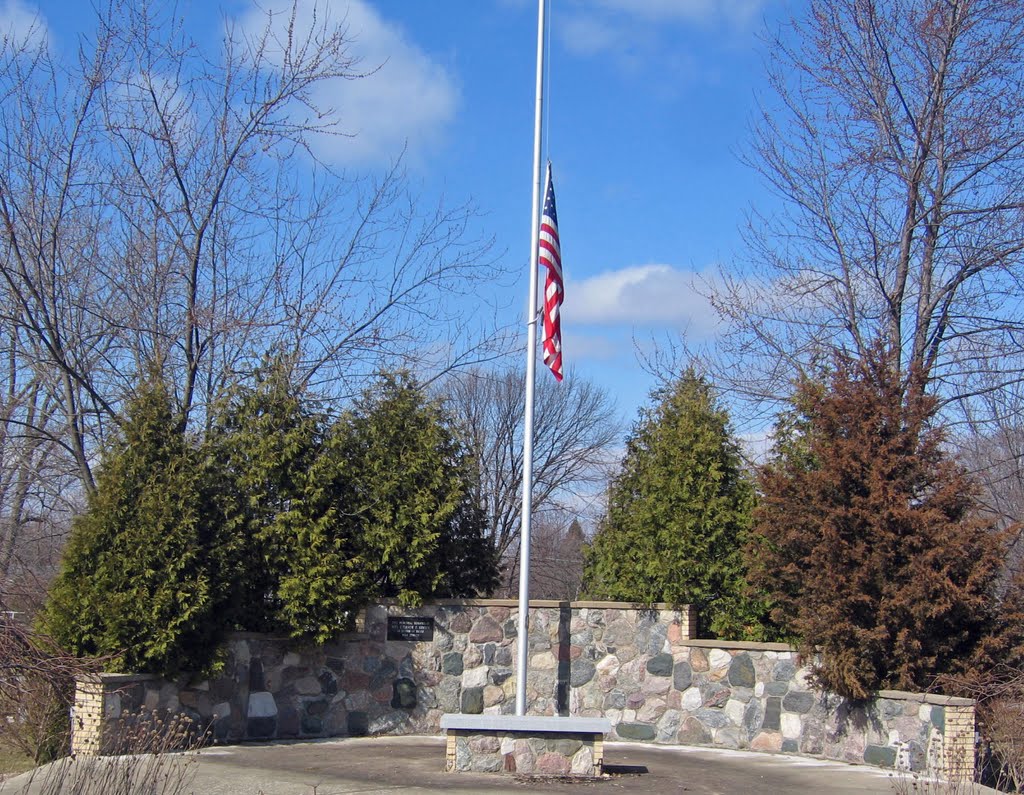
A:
(926, 698)
(553, 724)
(536, 603)
(298, 643)
(744, 645)
(108, 678)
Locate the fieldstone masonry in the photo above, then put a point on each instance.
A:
(639, 667)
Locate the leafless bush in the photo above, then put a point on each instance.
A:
(999, 694)
(154, 756)
(37, 686)
(955, 774)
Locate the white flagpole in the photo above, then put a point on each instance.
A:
(532, 312)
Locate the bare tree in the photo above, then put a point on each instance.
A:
(576, 429)
(160, 203)
(896, 147)
(556, 559)
(992, 449)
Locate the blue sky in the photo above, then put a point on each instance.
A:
(648, 103)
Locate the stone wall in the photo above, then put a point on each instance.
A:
(642, 668)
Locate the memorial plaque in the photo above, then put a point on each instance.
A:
(414, 628)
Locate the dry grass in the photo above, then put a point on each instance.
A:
(13, 761)
(155, 756)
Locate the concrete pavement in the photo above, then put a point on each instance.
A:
(401, 765)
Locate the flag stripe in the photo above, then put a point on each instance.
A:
(550, 256)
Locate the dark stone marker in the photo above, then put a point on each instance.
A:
(410, 628)
(404, 694)
(660, 665)
(452, 663)
(880, 756)
(221, 729)
(772, 714)
(312, 724)
(798, 702)
(582, 671)
(776, 688)
(328, 684)
(256, 676)
(358, 724)
(636, 731)
(261, 728)
(682, 676)
(472, 701)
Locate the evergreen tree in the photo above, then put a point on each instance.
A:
(141, 576)
(866, 536)
(326, 516)
(419, 526)
(284, 505)
(678, 514)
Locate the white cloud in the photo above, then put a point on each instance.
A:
(22, 25)
(635, 31)
(701, 11)
(594, 347)
(404, 100)
(643, 296)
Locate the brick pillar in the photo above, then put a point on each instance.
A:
(688, 622)
(87, 717)
(958, 743)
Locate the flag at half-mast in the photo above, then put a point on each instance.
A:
(550, 256)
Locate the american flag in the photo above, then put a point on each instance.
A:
(550, 256)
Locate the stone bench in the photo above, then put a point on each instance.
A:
(528, 744)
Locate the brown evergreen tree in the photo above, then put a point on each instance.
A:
(867, 537)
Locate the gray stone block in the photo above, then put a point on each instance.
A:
(261, 728)
(358, 724)
(888, 708)
(660, 665)
(581, 672)
(712, 718)
(682, 676)
(636, 731)
(776, 688)
(753, 717)
(328, 683)
(472, 702)
(693, 732)
(772, 714)
(798, 701)
(880, 756)
(741, 671)
(615, 699)
(452, 664)
(784, 671)
(714, 695)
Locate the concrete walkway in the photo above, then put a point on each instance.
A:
(416, 765)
